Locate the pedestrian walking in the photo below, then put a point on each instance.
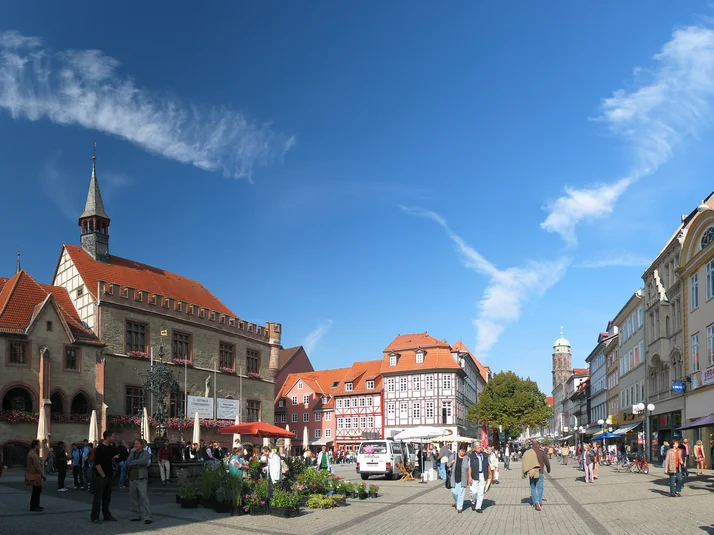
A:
(137, 465)
(61, 464)
(123, 451)
(51, 461)
(323, 460)
(533, 465)
(588, 463)
(459, 465)
(507, 456)
(165, 460)
(566, 452)
(102, 485)
(444, 454)
(493, 465)
(34, 476)
(478, 474)
(685, 457)
(699, 457)
(77, 474)
(596, 459)
(673, 468)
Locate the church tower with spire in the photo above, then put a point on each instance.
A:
(94, 221)
(562, 361)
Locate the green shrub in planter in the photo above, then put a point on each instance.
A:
(285, 500)
(320, 501)
(373, 491)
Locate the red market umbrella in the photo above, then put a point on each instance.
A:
(258, 429)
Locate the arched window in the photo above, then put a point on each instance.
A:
(80, 404)
(17, 399)
(57, 400)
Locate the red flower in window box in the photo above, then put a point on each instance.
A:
(182, 362)
(139, 354)
(225, 369)
(254, 375)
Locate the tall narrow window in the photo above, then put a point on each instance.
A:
(134, 400)
(694, 290)
(370, 385)
(390, 384)
(420, 357)
(710, 345)
(429, 380)
(226, 354)
(402, 384)
(181, 346)
(429, 409)
(393, 360)
(252, 361)
(253, 410)
(695, 352)
(447, 381)
(70, 359)
(710, 279)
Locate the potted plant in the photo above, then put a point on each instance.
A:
(320, 501)
(254, 504)
(362, 491)
(340, 499)
(348, 489)
(373, 491)
(237, 490)
(189, 497)
(285, 504)
(223, 499)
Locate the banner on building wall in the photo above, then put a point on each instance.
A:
(201, 405)
(227, 409)
(708, 376)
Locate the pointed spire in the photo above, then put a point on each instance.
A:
(18, 268)
(94, 205)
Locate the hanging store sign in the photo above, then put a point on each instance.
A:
(678, 386)
(708, 376)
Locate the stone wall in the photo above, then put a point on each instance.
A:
(26, 433)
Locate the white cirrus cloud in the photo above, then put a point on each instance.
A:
(669, 102)
(85, 88)
(507, 290)
(316, 335)
(616, 260)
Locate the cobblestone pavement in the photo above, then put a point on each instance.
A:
(617, 503)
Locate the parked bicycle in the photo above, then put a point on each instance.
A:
(633, 463)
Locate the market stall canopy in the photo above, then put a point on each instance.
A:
(420, 433)
(452, 438)
(626, 428)
(601, 436)
(258, 429)
(706, 421)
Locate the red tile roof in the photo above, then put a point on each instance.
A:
(414, 341)
(358, 375)
(438, 358)
(319, 382)
(22, 297)
(143, 277)
(483, 370)
(286, 354)
(580, 371)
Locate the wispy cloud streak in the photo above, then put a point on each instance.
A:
(671, 101)
(616, 260)
(507, 289)
(84, 87)
(316, 335)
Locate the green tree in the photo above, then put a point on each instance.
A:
(510, 401)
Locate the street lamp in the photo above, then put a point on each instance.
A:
(645, 410)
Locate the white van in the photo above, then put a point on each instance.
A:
(380, 458)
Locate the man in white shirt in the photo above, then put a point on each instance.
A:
(507, 457)
(273, 468)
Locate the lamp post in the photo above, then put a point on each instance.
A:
(645, 410)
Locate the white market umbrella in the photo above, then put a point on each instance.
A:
(266, 441)
(236, 436)
(452, 438)
(305, 439)
(93, 429)
(196, 430)
(418, 434)
(42, 433)
(288, 442)
(145, 425)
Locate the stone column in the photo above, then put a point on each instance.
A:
(274, 331)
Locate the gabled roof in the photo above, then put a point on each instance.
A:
(414, 341)
(358, 375)
(437, 358)
(22, 298)
(483, 370)
(142, 277)
(287, 354)
(319, 382)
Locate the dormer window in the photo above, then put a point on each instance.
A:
(299, 385)
(420, 357)
(348, 387)
(370, 385)
(324, 400)
(281, 403)
(393, 359)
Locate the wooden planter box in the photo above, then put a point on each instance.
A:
(284, 512)
(189, 503)
(222, 507)
(258, 510)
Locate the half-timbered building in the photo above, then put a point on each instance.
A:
(359, 405)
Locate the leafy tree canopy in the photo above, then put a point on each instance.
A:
(510, 401)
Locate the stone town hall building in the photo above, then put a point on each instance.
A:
(133, 308)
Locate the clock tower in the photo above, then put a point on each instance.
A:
(562, 361)
(94, 221)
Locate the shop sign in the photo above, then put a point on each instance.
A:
(708, 376)
(678, 386)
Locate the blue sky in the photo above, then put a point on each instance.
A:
(482, 172)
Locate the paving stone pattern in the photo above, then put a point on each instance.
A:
(616, 503)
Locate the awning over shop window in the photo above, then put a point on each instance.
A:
(626, 428)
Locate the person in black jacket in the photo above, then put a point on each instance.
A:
(61, 464)
(102, 486)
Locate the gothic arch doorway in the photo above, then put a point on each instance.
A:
(80, 404)
(17, 399)
(57, 400)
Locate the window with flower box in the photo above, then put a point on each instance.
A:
(136, 337)
(226, 355)
(253, 409)
(181, 346)
(252, 361)
(134, 400)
